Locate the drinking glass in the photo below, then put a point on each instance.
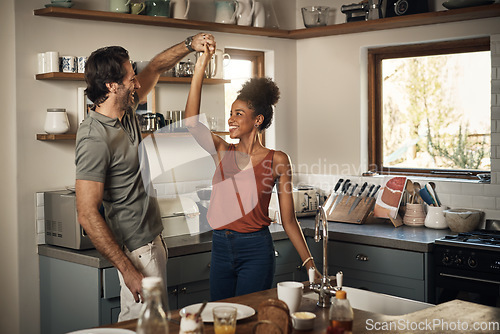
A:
(224, 319)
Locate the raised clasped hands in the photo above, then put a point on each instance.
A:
(205, 57)
(201, 40)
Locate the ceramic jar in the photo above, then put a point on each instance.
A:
(435, 217)
(414, 215)
(56, 121)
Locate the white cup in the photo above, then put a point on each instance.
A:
(81, 61)
(291, 294)
(51, 61)
(41, 63)
(68, 64)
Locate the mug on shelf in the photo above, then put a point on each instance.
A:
(68, 64)
(81, 61)
(137, 8)
(119, 6)
(158, 8)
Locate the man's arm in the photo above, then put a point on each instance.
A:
(88, 201)
(166, 60)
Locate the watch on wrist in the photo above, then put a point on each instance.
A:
(188, 43)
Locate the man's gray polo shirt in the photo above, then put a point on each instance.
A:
(107, 152)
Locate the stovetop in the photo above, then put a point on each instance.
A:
(479, 239)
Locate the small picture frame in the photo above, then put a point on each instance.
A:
(83, 106)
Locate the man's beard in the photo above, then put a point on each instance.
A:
(126, 101)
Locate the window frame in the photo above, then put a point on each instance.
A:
(256, 57)
(258, 68)
(375, 103)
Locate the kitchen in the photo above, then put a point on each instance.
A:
(335, 99)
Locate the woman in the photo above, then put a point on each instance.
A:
(243, 259)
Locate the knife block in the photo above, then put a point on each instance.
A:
(357, 216)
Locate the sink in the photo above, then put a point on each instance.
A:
(378, 302)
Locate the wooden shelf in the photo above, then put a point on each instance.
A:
(95, 15)
(50, 137)
(445, 16)
(72, 136)
(79, 77)
(452, 15)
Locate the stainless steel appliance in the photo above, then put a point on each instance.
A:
(306, 201)
(61, 222)
(468, 266)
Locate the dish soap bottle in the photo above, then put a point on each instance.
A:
(152, 319)
(341, 314)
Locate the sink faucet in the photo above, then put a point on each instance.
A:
(324, 289)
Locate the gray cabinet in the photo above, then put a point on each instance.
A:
(288, 263)
(391, 271)
(188, 279)
(75, 296)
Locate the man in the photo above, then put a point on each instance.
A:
(108, 167)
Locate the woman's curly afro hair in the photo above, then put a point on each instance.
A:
(261, 94)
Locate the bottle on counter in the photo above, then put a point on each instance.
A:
(341, 315)
(152, 319)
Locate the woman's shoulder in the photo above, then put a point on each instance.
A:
(281, 157)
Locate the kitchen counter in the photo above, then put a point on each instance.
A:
(383, 234)
(418, 239)
(452, 317)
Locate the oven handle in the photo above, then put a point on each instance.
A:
(469, 278)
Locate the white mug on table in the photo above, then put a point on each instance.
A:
(291, 294)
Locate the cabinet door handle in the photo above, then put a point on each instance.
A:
(173, 292)
(184, 290)
(276, 253)
(208, 265)
(361, 257)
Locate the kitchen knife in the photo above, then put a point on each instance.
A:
(375, 191)
(358, 197)
(352, 192)
(345, 188)
(369, 192)
(330, 198)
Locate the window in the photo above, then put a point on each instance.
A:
(244, 64)
(430, 108)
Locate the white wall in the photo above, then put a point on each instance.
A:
(332, 103)
(45, 166)
(9, 278)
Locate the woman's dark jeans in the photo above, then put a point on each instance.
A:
(241, 263)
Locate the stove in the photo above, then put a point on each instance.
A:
(468, 267)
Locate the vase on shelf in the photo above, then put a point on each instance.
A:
(271, 21)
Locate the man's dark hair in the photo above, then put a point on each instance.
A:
(105, 65)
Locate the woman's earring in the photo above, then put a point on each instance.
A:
(256, 125)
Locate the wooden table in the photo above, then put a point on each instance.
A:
(454, 313)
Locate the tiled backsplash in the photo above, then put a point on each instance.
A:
(495, 110)
(452, 193)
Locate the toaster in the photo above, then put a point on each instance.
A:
(61, 222)
(305, 200)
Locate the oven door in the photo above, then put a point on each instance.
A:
(477, 287)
